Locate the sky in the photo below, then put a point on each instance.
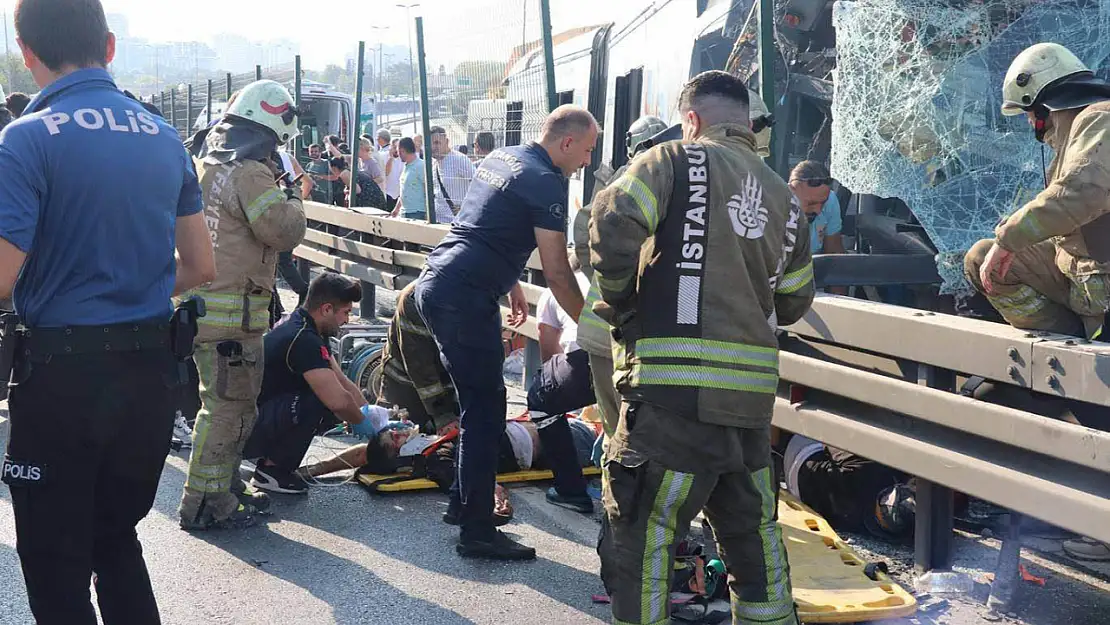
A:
(332, 33)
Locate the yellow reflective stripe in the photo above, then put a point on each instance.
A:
(795, 280)
(713, 351)
(614, 285)
(655, 592)
(779, 602)
(704, 377)
(412, 328)
(644, 198)
(588, 316)
(234, 319)
(434, 390)
(263, 202)
(1024, 301)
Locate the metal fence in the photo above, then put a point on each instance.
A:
(484, 85)
(187, 105)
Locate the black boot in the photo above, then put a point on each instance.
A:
(497, 547)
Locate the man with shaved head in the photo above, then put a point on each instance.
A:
(516, 203)
(695, 318)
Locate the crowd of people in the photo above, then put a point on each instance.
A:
(391, 173)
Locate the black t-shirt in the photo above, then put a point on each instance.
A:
(292, 349)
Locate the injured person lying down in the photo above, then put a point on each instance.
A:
(401, 449)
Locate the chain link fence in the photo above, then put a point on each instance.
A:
(186, 106)
(486, 89)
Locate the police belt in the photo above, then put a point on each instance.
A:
(39, 344)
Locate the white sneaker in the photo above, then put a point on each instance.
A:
(182, 431)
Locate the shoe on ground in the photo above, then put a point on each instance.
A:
(499, 547)
(274, 480)
(258, 500)
(1087, 549)
(243, 517)
(182, 432)
(579, 503)
(451, 517)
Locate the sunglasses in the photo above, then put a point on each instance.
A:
(814, 182)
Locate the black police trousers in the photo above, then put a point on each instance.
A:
(89, 436)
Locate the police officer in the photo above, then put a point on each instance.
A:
(697, 357)
(516, 203)
(1048, 267)
(251, 219)
(94, 194)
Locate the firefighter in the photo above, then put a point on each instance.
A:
(251, 219)
(699, 251)
(593, 331)
(1047, 267)
(412, 375)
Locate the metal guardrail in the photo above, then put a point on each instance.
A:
(880, 381)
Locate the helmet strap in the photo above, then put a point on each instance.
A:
(1040, 122)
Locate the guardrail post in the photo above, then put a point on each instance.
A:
(1007, 573)
(208, 116)
(173, 108)
(368, 306)
(189, 111)
(227, 88)
(933, 520)
(258, 72)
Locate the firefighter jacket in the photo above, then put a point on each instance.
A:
(1074, 210)
(411, 360)
(699, 251)
(250, 219)
(593, 331)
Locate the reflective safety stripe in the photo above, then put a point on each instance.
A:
(434, 390)
(795, 280)
(655, 592)
(762, 613)
(704, 377)
(643, 197)
(1031, 226)
(779, 602)
(712, 351)
(616, 285)
(263, 202)
(1024, 302)
(396, 371)
(412, 328)
(225, 310)
(588, 316)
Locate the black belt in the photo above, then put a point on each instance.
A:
(40, 343)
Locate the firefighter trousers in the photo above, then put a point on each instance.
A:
(230, 380)
(1036, 295)
(661, 470)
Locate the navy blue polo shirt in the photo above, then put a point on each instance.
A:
(516, 190)
(91, 186)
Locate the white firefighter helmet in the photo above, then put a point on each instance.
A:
(1037, 67)
(268, 104)
(641, 130)
(756, 110)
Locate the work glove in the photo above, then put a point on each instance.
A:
(374, 418)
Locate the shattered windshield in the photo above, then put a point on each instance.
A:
(916, 107)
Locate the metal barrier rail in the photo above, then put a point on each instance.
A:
(915, 422)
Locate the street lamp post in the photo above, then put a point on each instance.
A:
(381, 78)
(412, 78)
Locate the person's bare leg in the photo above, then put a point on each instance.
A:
(350, 458)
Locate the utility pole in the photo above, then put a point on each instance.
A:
(381, 74)
(412, 81)
(8, 56)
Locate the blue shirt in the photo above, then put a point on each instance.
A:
(413, 195)
(827, 222)
(91, 188)
(516, 190)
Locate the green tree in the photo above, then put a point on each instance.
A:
(16, 76)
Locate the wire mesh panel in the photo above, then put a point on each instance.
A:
(486, 87)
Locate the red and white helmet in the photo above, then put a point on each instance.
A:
(269, 104)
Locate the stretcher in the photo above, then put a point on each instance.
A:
(832, 583)
(393, 485)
